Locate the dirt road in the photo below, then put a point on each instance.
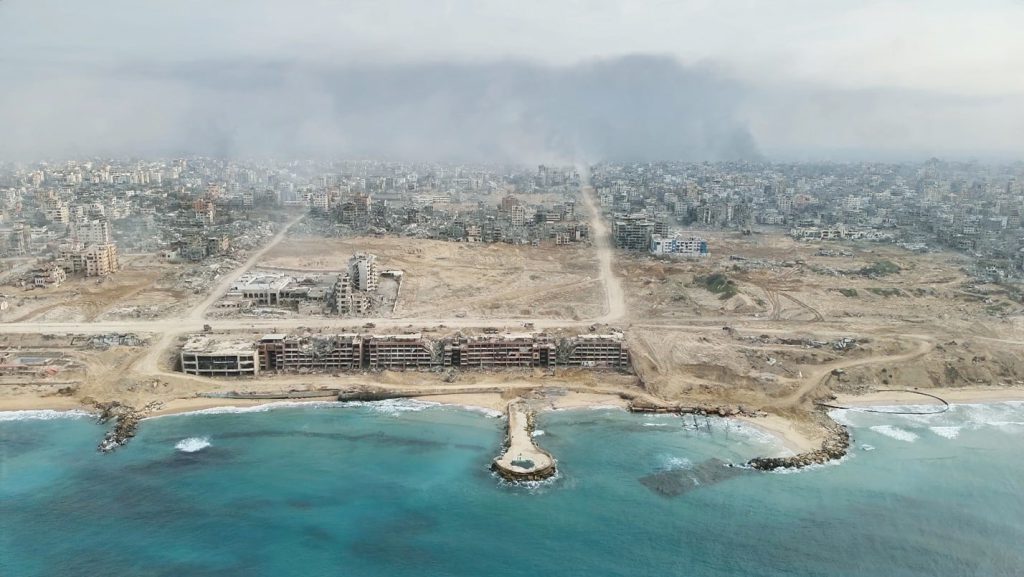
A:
(821, 376)
(199, 311)
(614, 296)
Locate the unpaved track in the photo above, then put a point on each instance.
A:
(615, 298)
(199, 311)
(822, 375)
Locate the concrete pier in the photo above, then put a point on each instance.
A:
(522, 459)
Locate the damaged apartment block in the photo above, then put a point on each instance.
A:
(308, 353)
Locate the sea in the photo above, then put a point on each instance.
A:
(399, 488)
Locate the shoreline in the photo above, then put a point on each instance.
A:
(959, 396)
(792, 434)
(488, 402)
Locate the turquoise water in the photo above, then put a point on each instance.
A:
(396, 489)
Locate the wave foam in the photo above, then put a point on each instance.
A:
(261, 408)
(895, 433)
(1006, 416)
(42, 415)
(673, 463)
(394, 406)
(192, 444)
(530, 486)
(490, 413)
(947, 432)
(796, 471)
(387, 406)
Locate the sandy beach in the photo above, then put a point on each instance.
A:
(794, 437)
(961, 396)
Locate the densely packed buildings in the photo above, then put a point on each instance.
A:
(972, 207)
(194, 209)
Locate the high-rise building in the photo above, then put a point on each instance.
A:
(362, 270)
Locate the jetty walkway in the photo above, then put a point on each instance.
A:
(522, 459)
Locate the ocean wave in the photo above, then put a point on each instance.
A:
(394, 406)
(895, 433)
(386, 406)
(261, 408)
(530, 486)
(490, 413)
(1007, 417)
(947, 432)
(192, 444)
(43, 415)
(673, 463)
(746, 430)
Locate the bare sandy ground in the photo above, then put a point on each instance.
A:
(37, 403)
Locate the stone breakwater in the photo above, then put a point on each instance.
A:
(835, 446)
(126, 423)
(647, 406)
(522, 459)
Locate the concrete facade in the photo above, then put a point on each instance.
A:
(207, 357)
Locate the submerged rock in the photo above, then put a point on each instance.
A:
(678, 481)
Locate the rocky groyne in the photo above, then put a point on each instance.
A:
(835, 446)
(522, 459)
(126, 422)
(638, 405)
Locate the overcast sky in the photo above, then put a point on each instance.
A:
(515, 80)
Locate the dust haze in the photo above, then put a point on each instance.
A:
(629, 108)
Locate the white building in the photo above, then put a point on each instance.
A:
(679, 245)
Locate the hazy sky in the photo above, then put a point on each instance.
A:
(525, 79)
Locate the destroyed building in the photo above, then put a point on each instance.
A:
(205, 356)
(591, 351)
(409, 351)
(279, 352)
(202, 355)
(509, 350)
(92, 260)
(48, 275)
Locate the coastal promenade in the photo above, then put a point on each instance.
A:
(522, 459)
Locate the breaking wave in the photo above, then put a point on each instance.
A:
(895, 433)
(42, 415)
(1007, 417)
(192, 444)
(947, 432)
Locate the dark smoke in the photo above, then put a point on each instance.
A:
(632, 108)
